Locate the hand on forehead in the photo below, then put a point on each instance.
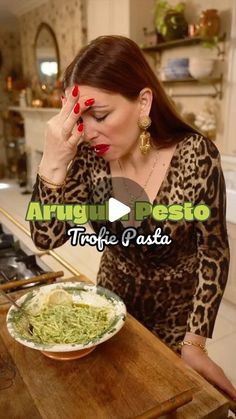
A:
(83, 92)
(80, 99)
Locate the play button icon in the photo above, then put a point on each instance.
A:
(116, 209)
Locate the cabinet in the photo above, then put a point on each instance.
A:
(215, 83)
(229, 117)
(123, 17)
(230, 291)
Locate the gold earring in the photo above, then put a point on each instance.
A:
(144, 123)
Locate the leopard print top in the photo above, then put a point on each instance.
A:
(170, 289)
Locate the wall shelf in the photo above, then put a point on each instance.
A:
(194, 40)
(216, 83)
(173, 44)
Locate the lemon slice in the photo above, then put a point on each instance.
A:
(59, 297)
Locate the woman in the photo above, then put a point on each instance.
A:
(117, 123)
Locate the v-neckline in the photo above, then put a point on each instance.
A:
(166, 173)
(159, 190)
(162, 182)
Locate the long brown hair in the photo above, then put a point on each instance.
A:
(116, 64)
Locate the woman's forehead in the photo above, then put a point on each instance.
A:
(90, 91)
(102, 97)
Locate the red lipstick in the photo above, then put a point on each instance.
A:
(101, 149)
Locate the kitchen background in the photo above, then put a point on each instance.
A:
(196, 60)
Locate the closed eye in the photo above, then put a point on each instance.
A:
(100, 118)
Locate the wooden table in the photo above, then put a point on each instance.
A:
(122, 378)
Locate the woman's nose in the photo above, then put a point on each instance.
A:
(90, 133)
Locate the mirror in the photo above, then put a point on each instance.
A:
(46, 55)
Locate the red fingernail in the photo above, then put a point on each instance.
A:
(89, 102)
(80, 127)
(75, 90)
(77, 108)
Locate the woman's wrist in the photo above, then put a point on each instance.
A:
(191, 345)
(195, 338)
(55, 175)
(49, 183)
(193, 342)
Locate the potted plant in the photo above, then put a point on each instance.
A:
(170, 21)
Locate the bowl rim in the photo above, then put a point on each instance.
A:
(201, 59)
(117, 303)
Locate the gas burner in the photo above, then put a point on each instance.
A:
(6, 240)
(16, 260)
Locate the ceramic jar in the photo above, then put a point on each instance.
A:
(55, 98)
(209, 23)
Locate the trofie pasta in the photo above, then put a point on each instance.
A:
(75, 323)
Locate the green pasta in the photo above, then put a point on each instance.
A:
(72, 324)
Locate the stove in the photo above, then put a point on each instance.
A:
(17, 261)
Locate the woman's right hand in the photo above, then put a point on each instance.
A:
(62, 137)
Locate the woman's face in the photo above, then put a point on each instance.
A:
(111, 123)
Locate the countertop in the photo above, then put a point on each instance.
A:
(131, 374)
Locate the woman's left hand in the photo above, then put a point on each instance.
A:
(204, 365)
